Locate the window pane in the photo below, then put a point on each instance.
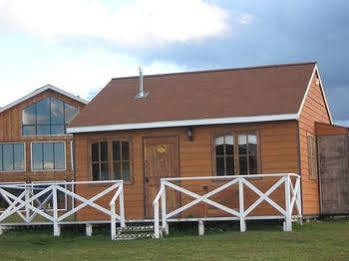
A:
(229, 144)
(19, 156)
(28, 115)
(44, 130)
(253, 164)
(57, 129)
(220, 166)
(37, 156)
(57, 111)
(243, 165)
(43, 111)
(230, 165)
(104, 151)
(104, 171)
(252, 144)
(1, 158)
(126, 170)
(95, 171)
(59, 155)
(70, 113)
(125, 151)
(8, 157)
(116, 150)
(95, 152)
(242, 144)
(29, 130)
(48, 156)
(219, 146)
(117, 170)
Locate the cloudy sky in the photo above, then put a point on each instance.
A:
(79, 45)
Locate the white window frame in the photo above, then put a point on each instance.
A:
(25, 157)
(48, 170)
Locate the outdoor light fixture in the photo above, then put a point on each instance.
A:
(190, 133)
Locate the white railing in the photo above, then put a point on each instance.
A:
(292, 199)
(29, 200)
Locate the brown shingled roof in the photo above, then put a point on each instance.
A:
(255, 91)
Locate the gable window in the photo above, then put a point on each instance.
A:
(236, 154)
(312, 156)
(110, 160)
(49, 116)
(48, 156)
(12, 157)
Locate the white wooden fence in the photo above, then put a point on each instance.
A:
(29, 200)
(289, 181)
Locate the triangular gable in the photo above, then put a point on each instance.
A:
(315, 72)
(41, 90)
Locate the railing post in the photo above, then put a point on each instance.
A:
(113, 222)
(156, 220)
(27, 209)
(122, 206)
(288, 217)
(241, 206)
(163, 210)
(56, 228)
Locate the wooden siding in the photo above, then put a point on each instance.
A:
(11, 131)
(278, 153)
(314, 110)
(328, 130)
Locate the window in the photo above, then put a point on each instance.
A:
(312, 156)
(236, 153)
(110, 160)
(49, 116)
(12, 157)
(48, 156)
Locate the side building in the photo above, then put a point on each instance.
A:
(34, 144)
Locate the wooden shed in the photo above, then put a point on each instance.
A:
(219, 123)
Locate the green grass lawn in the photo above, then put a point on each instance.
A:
(321, 240)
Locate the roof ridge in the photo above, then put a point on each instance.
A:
(219, 70)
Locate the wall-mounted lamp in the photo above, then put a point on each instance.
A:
(190, 133)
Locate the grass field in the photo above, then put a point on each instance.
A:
(322, 240)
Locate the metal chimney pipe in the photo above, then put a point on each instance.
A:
(141, 88)
(141, 93)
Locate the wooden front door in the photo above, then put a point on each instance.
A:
(161, 160)
(334, 174)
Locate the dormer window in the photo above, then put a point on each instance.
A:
(49, 116)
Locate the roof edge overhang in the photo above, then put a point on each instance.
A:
(183, 123)
(315, 71)
(41, 90)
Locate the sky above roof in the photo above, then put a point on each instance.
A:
(79, 45)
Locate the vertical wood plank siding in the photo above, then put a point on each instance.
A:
(278, 153)
(314, 110)
(11, 131)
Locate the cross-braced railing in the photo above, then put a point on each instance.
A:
(30, 200)
(289, 182)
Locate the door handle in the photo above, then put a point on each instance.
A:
(146, 179)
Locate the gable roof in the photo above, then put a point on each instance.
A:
(255, 94)
(41, 90)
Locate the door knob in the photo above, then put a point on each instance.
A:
(146, 179)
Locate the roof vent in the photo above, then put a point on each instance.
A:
(141, 93)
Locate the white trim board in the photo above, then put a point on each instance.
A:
(315, 71)
(183, 123)
(41, 90)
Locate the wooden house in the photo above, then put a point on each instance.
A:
(34, 144)
(245, 121)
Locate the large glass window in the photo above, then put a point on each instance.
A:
(49, 116)
(241, 159)
(12, 157)
(110, 160)
(48, 156)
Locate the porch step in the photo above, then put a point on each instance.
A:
(135, 229)
(134, 232)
